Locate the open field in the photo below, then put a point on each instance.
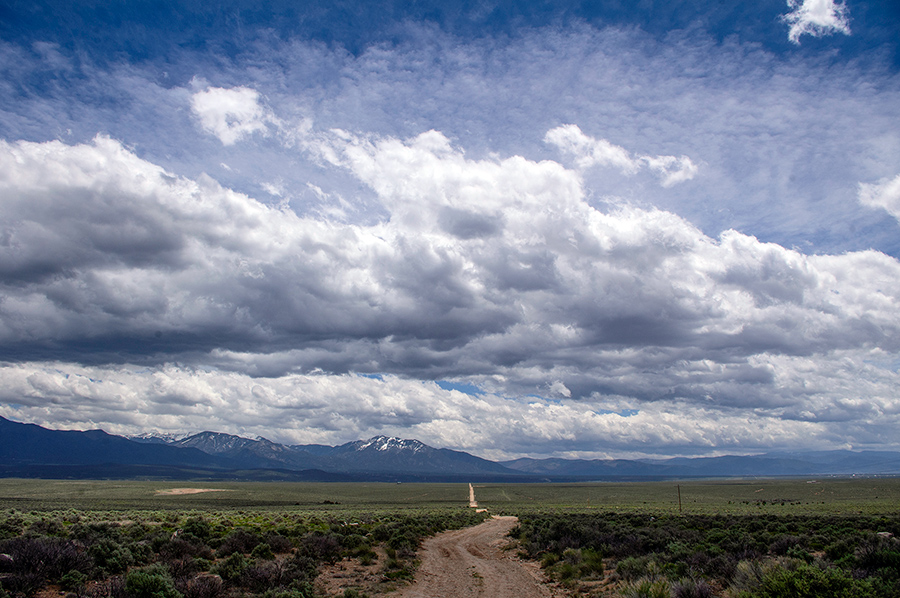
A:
(795, 497)
(728, 539)
(292, 496)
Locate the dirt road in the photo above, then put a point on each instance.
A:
(470, 562)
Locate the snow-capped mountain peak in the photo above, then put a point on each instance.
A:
(386, 443)
(156, 437)
(215, 443)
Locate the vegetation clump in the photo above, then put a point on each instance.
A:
(141, 548)
(746, 556)
(252, 552)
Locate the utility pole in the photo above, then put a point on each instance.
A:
(679, 498)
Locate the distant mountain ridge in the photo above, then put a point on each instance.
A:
(379, 454)
(29, 444)
(28, 450)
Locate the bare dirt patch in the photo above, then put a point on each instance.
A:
(351, 574)
(180, 491)
(476, 562)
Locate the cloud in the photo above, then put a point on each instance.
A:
(558, 388)
(426, 231)
(588, 151)
(484, 264)
(728, 106)
(230, 114)
(816, 18)
(493, 271)
(332, 409)
(884, 194)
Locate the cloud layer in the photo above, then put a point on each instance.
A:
(619, 240)
(496, 271)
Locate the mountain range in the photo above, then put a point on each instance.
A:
(28, 450)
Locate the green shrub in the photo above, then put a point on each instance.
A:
(396, 569)
(841, 549)
(203, 586)
(748, 575)
(691, 588)
(632, 568)
(352, 541)
(34, 561)
(265, 575)
(301, 568)
(47, 527)
(807, 581)
(575, 563)
(304, 590)
(877, 553)
(73, 581)
(11, 527)
(198, 527)
(549, 559)
(647, 588)
(367, 558)
(153, 582)
(591, 565)
(110, 556)
(796, 552)
(262, 551)
(239, 540)
(320, 547)
(231, 568)
(564, 571)
(278, 543)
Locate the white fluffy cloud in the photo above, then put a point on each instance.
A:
(588, 151)
(495, 271)
(885, 194)
(730, 107)
(331, 409)
(230, 114)
(816, 18)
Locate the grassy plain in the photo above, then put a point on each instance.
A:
(47, 495)
(709, 497)
(739, 497)
(734, 538)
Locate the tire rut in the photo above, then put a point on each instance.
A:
(471, 562)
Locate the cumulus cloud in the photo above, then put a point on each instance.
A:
(588, 151)
(499, 258)
(884, 194)
(332, 409)
(816, 18)
(728, 106)
(496, 271)
(437, 223)
(231, 114)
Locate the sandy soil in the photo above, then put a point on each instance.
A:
(351, 574)
(179, 491)
(472, 562)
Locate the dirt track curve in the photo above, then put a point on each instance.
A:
(471, 562)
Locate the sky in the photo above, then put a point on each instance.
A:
(582, 229)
